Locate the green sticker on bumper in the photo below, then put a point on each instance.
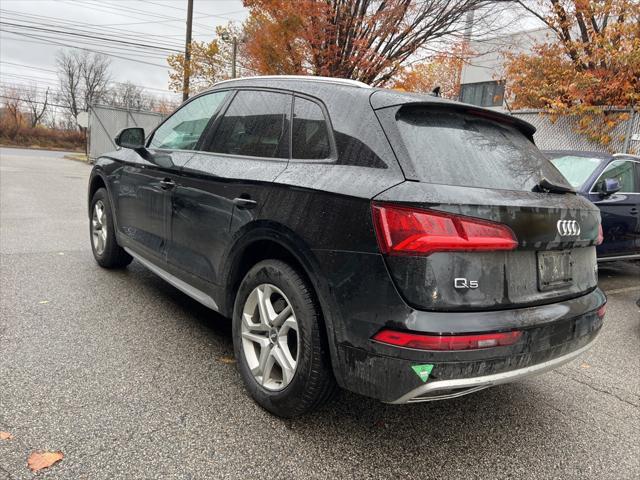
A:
(423, 371)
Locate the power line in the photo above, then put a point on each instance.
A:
(204, 16)
(48, 41)
(54, 71)
(105, 39)
(46, 21)
(109, 8)
(53, 81)
(55, 33)
(146, 12)
(28, 66)
(88, 43)
(33, 101)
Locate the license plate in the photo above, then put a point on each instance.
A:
(554, 270)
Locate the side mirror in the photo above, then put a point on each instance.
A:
(132, 138)
(609, 186)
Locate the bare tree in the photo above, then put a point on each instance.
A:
(37, 104)
(12, 119)
(95, 76)
(84, 79)
(70, 81)
(164, 105)
(129, 96)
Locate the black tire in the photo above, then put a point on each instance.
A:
(313, 383)
(112, 256)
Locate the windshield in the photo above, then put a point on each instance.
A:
(453, 148)
(577, 170)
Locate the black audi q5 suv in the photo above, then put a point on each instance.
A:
(401, 246)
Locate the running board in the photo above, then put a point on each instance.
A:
(184, 287)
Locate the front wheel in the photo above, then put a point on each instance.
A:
(105, 248)
(278, 343)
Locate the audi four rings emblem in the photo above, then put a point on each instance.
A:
(568, 228)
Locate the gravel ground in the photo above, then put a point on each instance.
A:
(132, 379)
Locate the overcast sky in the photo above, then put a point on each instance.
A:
(28, 56)
(32, 32)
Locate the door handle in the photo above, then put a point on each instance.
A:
(634, 210)
(244, 203)
(167, 183)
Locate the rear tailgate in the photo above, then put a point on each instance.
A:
(545, 267)
(466, 163)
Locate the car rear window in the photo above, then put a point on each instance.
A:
(455, 148)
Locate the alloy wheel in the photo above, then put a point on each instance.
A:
(99, 227)
(270, 337)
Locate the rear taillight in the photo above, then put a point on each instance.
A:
(412, 231)
(602, 310)
(446, 342)
(600, 238)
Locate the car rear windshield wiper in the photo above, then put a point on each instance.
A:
(546, 186)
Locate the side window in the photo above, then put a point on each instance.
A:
(182, 130)
(310, 134)
(254, 125)
(624, 173)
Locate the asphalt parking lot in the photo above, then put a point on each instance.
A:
(130, 378)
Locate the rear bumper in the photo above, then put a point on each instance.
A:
(360, 305)
(387, 373)
(444, 389)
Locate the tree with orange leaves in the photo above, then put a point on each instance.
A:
(210, 62)
(442, 70)
(367, 40)
(594, 63)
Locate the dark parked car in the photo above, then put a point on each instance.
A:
(612, 182)
(403, 246)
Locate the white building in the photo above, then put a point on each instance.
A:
(483, 79)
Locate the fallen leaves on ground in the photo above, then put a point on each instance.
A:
(42, 459)
(5, 436)
(227, 360)
(585, 365)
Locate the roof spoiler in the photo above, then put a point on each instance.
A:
(386, 98)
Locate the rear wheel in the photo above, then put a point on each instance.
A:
(278, 343)
(105, 248)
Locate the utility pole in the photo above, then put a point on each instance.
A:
(234, 54)
(468, 27)
(187, 53)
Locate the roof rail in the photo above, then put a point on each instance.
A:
(309, 78)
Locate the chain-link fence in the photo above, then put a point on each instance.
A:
(105, 122)
(562, 134)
